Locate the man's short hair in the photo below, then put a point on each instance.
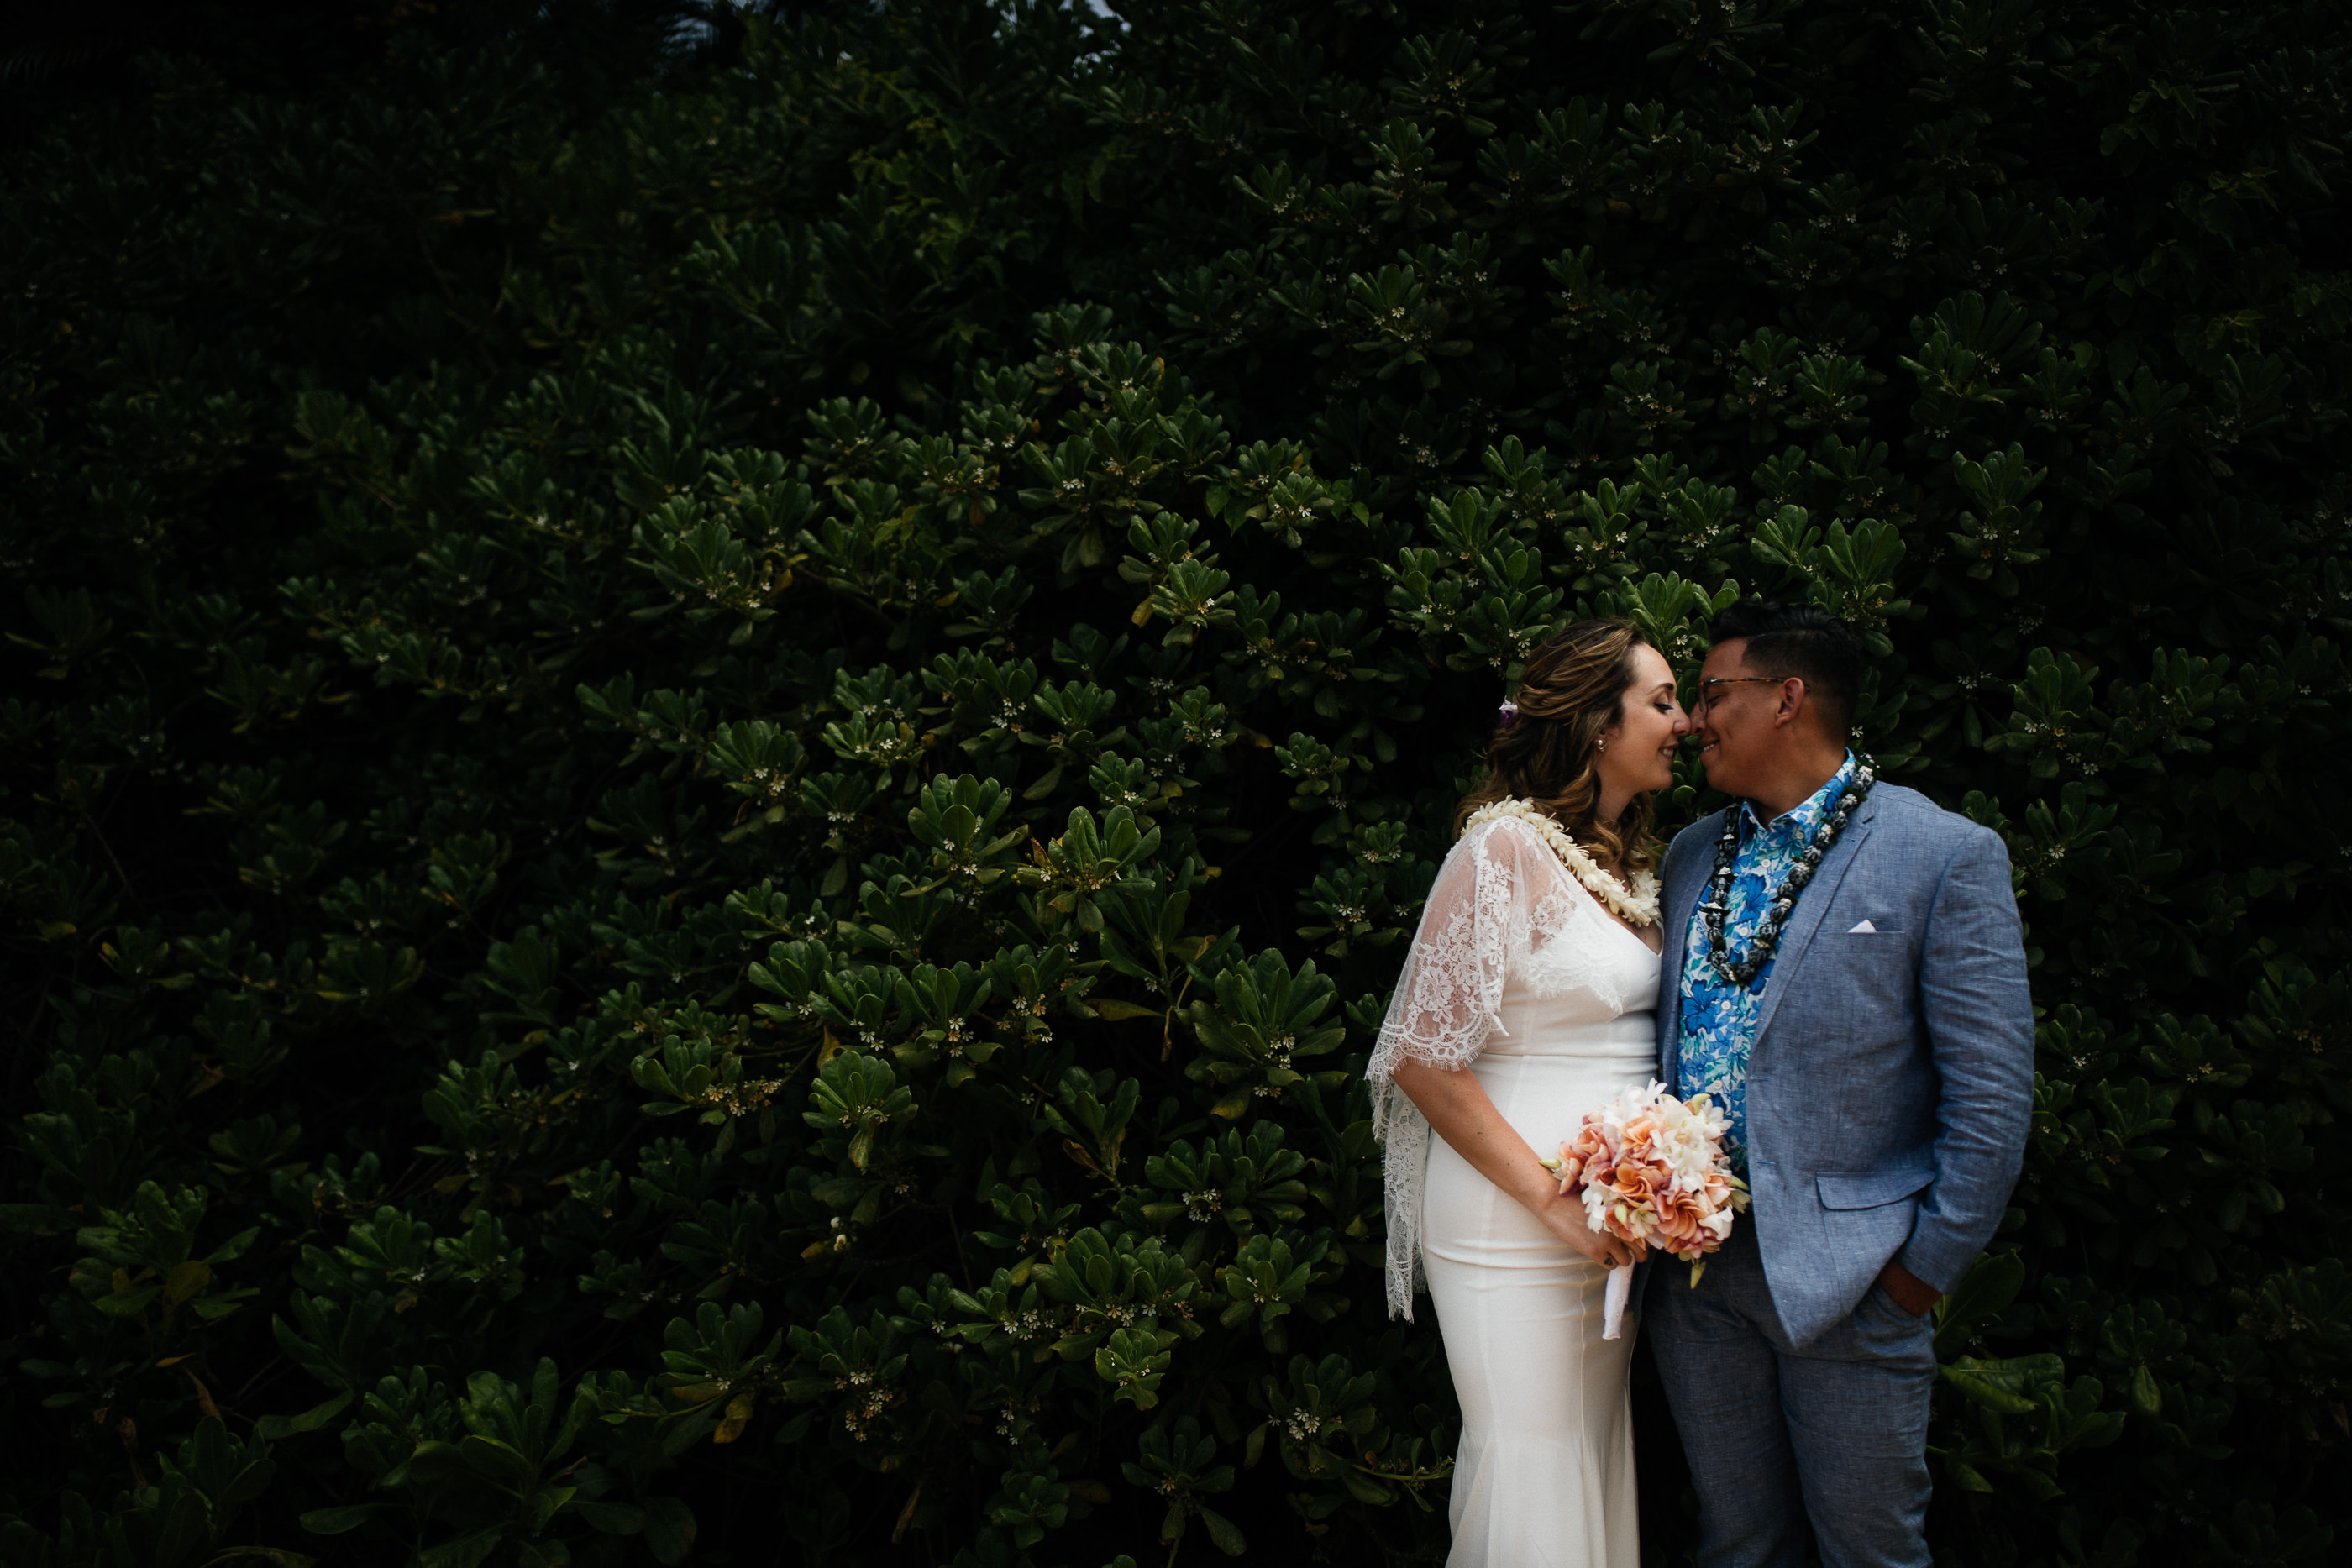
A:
(1811, 644)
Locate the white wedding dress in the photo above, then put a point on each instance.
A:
(1517, 974)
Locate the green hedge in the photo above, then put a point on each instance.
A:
(710, 784)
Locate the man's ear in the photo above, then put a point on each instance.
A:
(1792, 706)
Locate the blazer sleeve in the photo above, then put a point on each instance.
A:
(1688, 843)
(1979, 1017)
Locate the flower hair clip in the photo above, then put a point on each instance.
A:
(1509, 711)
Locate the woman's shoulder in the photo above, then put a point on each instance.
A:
(1506, 836)
(1518, 848)
(1503, 856)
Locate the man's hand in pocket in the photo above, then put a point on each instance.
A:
(1912, 1293)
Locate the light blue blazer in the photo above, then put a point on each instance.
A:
(1890, 1085)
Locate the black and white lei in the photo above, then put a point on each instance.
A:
(1740, 972)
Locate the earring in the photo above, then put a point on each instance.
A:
(1600, 745)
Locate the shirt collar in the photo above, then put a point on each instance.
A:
(1801, 821)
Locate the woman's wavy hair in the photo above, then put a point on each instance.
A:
(1572, 687)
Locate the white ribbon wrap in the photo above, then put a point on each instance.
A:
(1612, 1305)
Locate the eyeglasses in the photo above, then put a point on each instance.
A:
(1705, 695)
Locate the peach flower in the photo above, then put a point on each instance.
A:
(1651, 1168)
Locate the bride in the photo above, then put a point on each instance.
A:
(1525, 1002)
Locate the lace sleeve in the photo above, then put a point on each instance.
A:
(1452, 982)
(1445, 1008)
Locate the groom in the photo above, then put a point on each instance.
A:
(1844, 973)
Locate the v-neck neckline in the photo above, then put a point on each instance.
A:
(1603, 910)
(1609, 919)
(1659, 952)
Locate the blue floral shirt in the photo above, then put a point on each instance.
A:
(1719, 1018)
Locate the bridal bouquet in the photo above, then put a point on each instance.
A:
(1651, 1168)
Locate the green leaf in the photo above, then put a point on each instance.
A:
(1992, 1385)
(612, 1518)
(187, 1526)
(500, 1462)
(1991, 1284)
(1223, 1532)
(341, 1518)
(276, 1427)
(669, 1528)
(128, 1303)
(464, 1551)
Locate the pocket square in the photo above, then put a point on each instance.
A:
(1864, 928)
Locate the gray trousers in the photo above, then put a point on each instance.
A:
(1836, 1431)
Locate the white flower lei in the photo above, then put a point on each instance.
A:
(1636, 908)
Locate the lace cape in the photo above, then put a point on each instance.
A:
(1503, 907)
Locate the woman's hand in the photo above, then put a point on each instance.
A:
(1564, 1216)
(1457, 1107)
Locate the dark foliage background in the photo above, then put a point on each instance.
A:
(719, 729)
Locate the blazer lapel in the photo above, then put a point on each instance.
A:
(1679, 899)
(1811, 907)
